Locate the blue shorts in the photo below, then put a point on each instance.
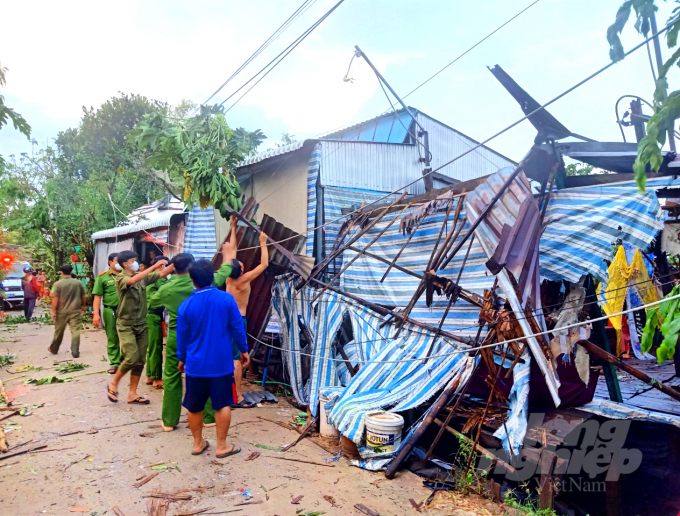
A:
(220, 389)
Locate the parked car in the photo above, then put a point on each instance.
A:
(14, 293)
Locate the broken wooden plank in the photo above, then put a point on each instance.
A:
(362, 508)
(615, 361)
(310, 425)
(145, 480)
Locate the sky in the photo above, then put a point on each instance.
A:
(63, 56)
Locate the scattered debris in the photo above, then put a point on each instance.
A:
(47, 380)
(173, 497)
(26, 368)
(267, 447)
(248, 502)
(7, 359)
(253, 456)
(117, 511)
(10, 455)
(331, 501)
(145, 480)
(159, 467)
(70, 367)
(415, 505)
(302, 512)
(297, 499)
(192, 513)
(303, 461)
(15, 413)
(157, 506)
(311, 424)
(362, 508)
(78, 508)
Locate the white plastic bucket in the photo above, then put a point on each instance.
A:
(325, 428)
(383, 431)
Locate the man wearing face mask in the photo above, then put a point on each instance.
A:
(68, 300)
(131, 322)
(104, 292)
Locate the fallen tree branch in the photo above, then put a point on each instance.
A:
(10, 455)
(301, 460)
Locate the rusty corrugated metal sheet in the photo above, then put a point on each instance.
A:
(261, 287)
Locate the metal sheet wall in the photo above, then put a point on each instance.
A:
(446, 144)
(382, 167)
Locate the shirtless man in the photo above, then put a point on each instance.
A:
(239, 287)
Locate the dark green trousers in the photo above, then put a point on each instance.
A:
(112, 345)
(173, 388)
(154, 353)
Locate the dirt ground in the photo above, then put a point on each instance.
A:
(92, 471)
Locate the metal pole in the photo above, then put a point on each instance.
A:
(426, 145)
(659, 64)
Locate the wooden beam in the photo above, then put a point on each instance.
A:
(386, 311)
(617, 362)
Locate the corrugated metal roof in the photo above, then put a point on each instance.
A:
(161, 220)
(384, 129)
(271, 153)
(335, 134)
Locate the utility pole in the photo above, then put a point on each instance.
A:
(659, 64)
(422, 133)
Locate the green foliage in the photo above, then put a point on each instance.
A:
(286, 139)
(20, 319)
(666, 106)
(7, 359)
(200, 152)
(666, 317)
(8, 114)
(527, 506)
(576, 169)
(47, 380)
(70, 367)
(470, 481)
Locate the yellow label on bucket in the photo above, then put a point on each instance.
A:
(378, 440)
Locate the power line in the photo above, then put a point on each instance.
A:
(281, 56)
(292, 18)
(466, 349)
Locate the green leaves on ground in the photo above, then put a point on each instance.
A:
(666, 106)
(47, 380)
(267, 447)
(666, 317)
(70, 367)
(7, 359)
(26, 368)
(201, 152)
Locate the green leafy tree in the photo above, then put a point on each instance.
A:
(198, 154)
(286, 139)
(576, 169)
(8, 114)
(666, 106)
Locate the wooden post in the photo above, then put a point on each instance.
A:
(615, 361)
(409, 444)
(600, 336)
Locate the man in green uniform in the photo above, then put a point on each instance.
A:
(154, 321)
(171, 295)
(68, 299)
(131, 322)
(104, 291)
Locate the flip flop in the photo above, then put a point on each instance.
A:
(233, 451)
(110, 393)
(207, 444)
(243, 404)
(112, 370)
(139, 400)
(49, 349)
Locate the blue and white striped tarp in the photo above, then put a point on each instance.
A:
(581, 224)
(312, 178)
(200, 239)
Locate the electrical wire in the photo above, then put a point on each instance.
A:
(484, 346)
(494, 136)
(280, 57)
(282, 28)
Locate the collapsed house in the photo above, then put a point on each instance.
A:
(469, 309)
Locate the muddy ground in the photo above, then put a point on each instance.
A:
(95, 469)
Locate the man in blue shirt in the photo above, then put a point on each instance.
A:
(208, 322)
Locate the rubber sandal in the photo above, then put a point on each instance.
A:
(49, 350)
(243, 404)
(112, 370)
(233, 451)
(110, 393)
(139, 400)
(207, 444)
